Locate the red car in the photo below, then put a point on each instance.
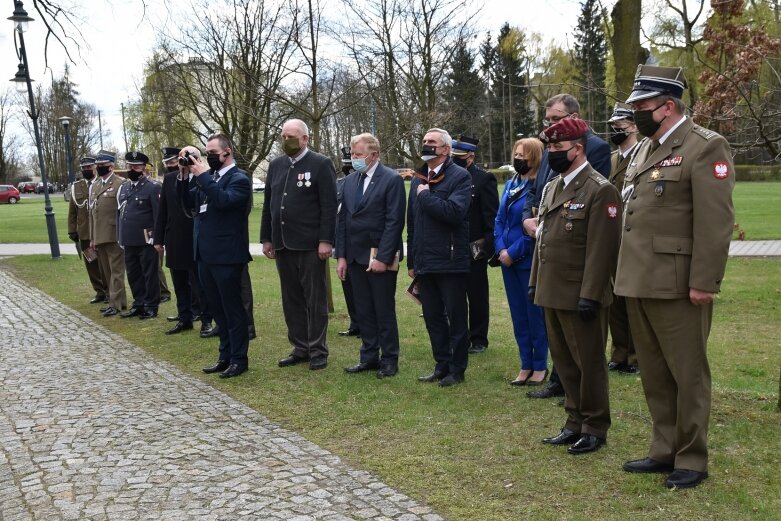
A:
(9, 194)
(26, 187)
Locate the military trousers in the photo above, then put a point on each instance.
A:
(477, 296)
(142, 268)
(623, 350)
(112, 264)
(96, 278)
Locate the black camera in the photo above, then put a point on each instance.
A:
(188, 159)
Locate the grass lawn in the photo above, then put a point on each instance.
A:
(473, 451)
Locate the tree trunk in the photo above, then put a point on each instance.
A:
(625, 40)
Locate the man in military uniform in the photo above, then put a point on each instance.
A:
(482, 215)
(139, 202)
(623, 134)
(103, 232)
(577, 246)
(78, 227)
(678, 225)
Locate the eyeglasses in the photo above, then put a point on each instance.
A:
(555, 119)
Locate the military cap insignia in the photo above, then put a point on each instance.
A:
(720, 170)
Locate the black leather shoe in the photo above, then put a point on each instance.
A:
(629, 369)
(179, 327)
(207, 331)
(220, 366)
(433, 377)
(147, 314)
(173, 319)
(647, 466)
(587, 443)
(361, 367)
(683, 478)
(565, 437)
(614, 366)
(103, 310)
(451, 379)
(110, 312)
(292, 360)
(251, 333)
(132, 312)
(477, 348)
(165, 298)
(233, 370)
(350, 331)
(98, 299)
(386, 372)
(551, 390)
(316, 364)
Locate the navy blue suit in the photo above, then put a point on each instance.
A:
(221, 249)
(373, 219)
(528, 319)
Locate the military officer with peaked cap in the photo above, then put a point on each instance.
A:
(678, 224)
(575, 257)
(103, 232)
(139, 203)
(78, 227)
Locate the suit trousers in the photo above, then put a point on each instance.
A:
(164, 291)
(671, 336)
(477, 296)
(186, 289)
(623, 351)
(528, 319)
(222, 285)
(443, 296)
(112, 263)
(141, 265)
(95, 274)
(375, 304)
(578, 350)
(246, 298)
(349, 300)
(304, 301)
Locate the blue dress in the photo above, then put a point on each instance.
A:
(528, 319)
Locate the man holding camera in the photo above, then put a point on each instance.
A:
(218, 195)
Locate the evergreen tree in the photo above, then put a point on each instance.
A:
(487, 65)
(463, 92)
(591, 63)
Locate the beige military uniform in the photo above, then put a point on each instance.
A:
(623, 348)
(103, 234)
(678, 224)
(78, 222)
(575, 257)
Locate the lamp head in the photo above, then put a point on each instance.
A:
(65, 121)
(20, 17)
(20, 79)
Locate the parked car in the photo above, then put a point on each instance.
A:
(9, 194)
(506, 167)
(39, 188)
(258, 185)
(26, 187)
(406, 173)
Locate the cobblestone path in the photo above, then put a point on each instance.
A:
(92, 427)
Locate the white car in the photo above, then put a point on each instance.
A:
(258, 185)
(506, 167)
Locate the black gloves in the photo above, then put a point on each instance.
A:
(74, 236)
(530, 294)
(588, 309)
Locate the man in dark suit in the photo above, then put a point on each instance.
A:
(347, 287)
(482, 215)
(438, 257)
(297, 230)
(561, 106)
(368, 247)
(219, 195)
(138, 203)
(174, 235)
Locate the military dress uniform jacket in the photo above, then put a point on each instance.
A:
(138, 209)
(482, 211)
(679, 221)
(618, 166)
(299, 203)
(103, 209)
(577, 246)
(78, 209)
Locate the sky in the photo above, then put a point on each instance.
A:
(119, 38)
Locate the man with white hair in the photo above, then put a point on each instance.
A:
(298, 231)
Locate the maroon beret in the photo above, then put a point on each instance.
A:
(567, 129)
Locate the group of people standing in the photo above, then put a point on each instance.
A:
(634, 242)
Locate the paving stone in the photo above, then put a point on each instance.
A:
(92, 427)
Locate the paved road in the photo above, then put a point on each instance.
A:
(92, 427)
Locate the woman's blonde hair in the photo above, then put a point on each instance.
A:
(532, 149)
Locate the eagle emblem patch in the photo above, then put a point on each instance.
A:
(612, 211)
(720, 170)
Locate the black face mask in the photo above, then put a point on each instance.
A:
(460, 161)
(103, 170)
(521, 166)
(644, 119)
(215, 163)
(87, 174)
(558, 160)
(428, 151)
(134, 176)
(618, 135)
(172, 168)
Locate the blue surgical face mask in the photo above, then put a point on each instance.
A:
(359, 164)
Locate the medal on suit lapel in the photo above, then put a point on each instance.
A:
(300, 182)
(308, 176)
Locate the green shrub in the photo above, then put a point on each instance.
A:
(758, 172)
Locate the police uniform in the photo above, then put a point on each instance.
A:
(103, 233)
(677, 230)
(78, 229)
(139, 203)
(574, 259)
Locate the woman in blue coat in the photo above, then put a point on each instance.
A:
(515, 250)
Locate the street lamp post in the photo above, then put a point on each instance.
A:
(20, 20)
(66, 123)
